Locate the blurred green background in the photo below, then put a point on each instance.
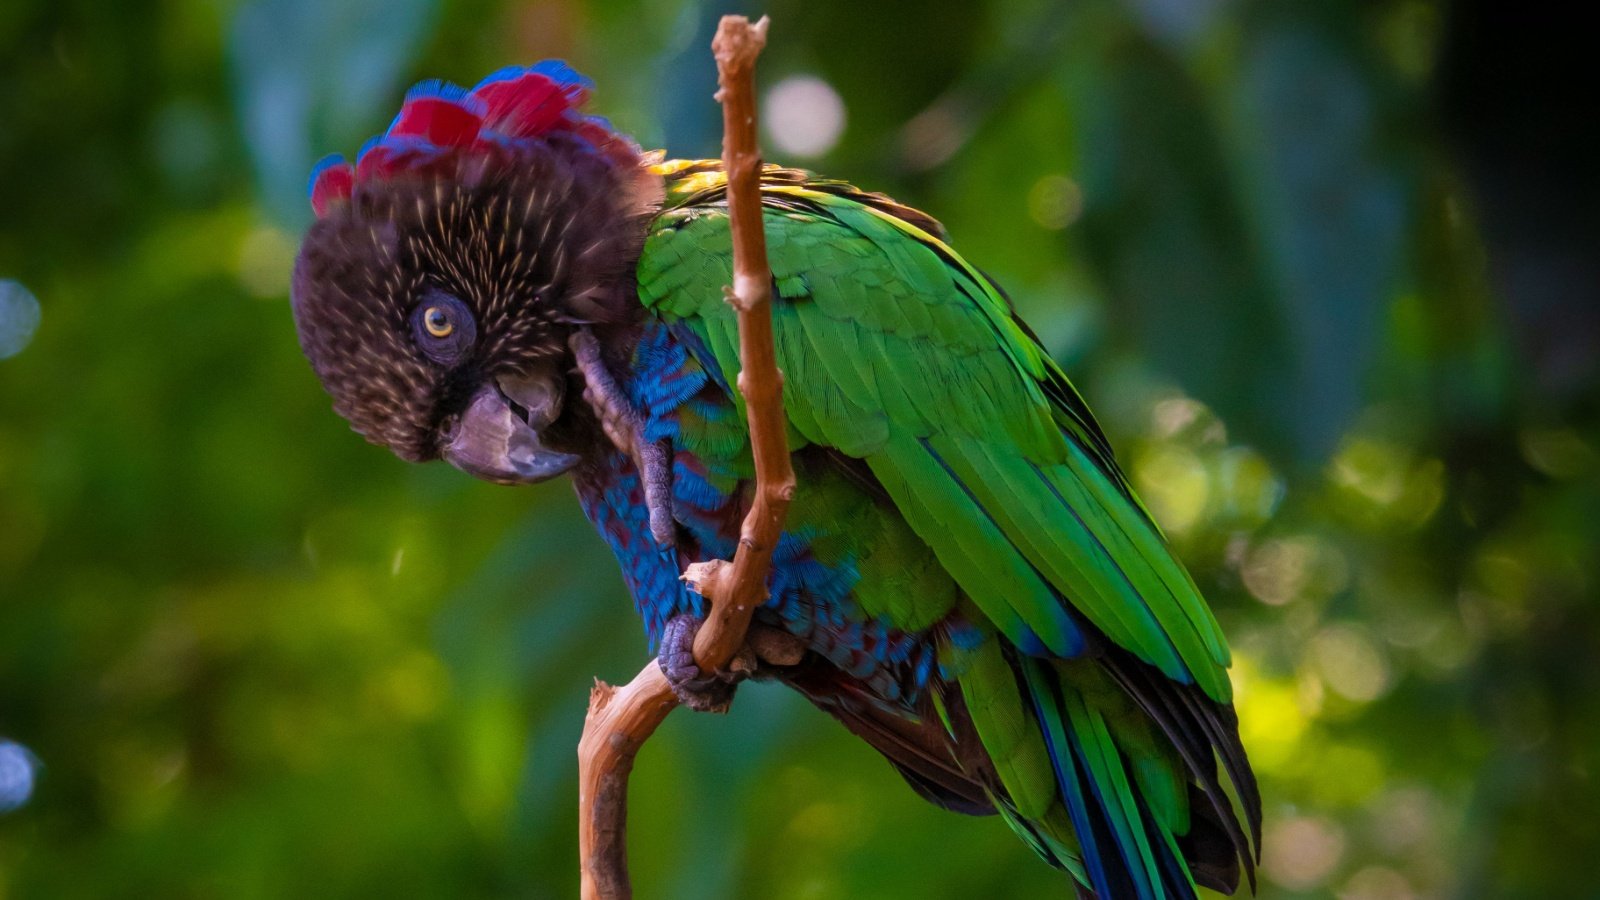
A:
(1304, 259)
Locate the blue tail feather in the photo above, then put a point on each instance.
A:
(1126, 853)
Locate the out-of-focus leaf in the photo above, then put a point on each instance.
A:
(313, 78)
(1327, 193)
(1164, 232)
(1248, 233)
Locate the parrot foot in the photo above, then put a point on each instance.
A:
(699, 690)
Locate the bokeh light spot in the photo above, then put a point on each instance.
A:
(1351, 663)
(1284, 570)
(17, 767)
(1558, 452)
(1173, 415)
(1405, 818)
(1372, 469)
(1277, 571)
(1300, 852)
(1377, 883)
(1055, 201)
(1271, 720)
(1174, 482)
(265, 261)
(1389, 483)
(413, 689)
(804, 115)
(1252, 489)
(19, 317)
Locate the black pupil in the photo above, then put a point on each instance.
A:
(437, 319)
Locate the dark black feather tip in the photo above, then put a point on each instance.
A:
(1202, 731)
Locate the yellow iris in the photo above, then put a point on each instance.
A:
(437, 321)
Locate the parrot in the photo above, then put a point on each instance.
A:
(505, 281)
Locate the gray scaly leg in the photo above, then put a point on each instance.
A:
(625, 427)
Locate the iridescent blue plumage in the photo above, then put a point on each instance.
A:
(614, 503)
(807, 597)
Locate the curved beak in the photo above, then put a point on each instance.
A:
(498, 438)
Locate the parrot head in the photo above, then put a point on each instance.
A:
(447, 268)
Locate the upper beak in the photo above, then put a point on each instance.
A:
(497, 437)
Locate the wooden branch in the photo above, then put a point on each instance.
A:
(620, 720)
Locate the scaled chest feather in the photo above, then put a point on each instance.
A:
(843, 559)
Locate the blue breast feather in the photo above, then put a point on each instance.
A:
(807, 598)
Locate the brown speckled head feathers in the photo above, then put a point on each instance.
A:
(533, 239)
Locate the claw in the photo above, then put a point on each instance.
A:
(699, 690)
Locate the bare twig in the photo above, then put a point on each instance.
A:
(621, 719)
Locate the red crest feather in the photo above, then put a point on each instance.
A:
(439, 121)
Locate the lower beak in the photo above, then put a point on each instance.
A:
(497, 438)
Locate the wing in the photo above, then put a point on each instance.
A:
(899, 353)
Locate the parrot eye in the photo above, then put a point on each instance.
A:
(444, 328)
(437, 321)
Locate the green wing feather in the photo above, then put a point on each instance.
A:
(899, 353)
